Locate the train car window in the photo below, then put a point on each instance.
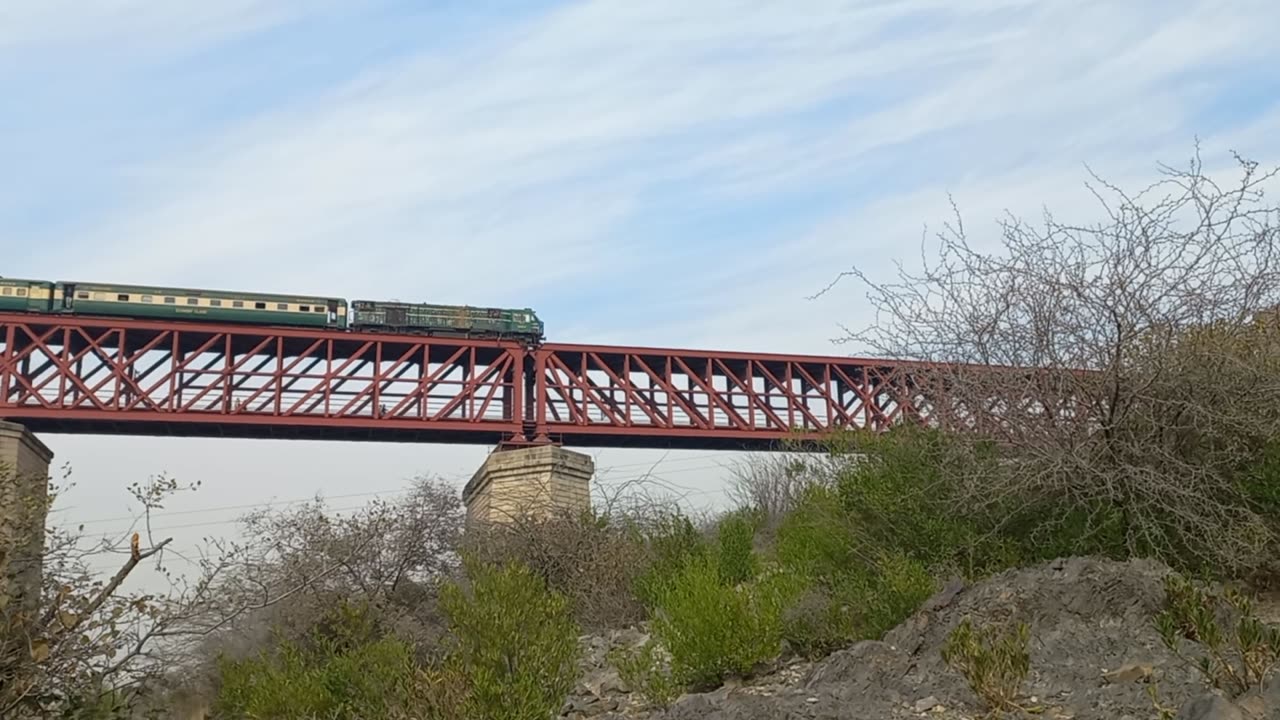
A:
(22, 292)
(304, 308)
(215, 303)
(7, 291)
(237, 303)
(146, 298)
(282, 306)
(170, 301)
(82, 295)
(259, 306)
(122, 298)
(193, 301)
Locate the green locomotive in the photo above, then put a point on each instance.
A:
(203, 305)
(431, 319)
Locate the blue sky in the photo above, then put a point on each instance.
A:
(662, 173)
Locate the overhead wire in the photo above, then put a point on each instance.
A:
(369, 493)
(685, 491)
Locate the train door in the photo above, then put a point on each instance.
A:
(68, 297)
(333, 313)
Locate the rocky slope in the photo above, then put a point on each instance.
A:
(1094, 655)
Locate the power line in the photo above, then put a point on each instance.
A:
(390, 491)
(265, 505)
(687, 492)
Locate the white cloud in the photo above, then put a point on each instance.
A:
(423, 154)
(768, 303)
(131, 26)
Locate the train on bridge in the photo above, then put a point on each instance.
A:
(204, 305)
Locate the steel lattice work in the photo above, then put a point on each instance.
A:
(107, 375)
(678, 398)
(75, 374)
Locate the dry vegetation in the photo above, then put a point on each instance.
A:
(1144, 423)
(1152, 334)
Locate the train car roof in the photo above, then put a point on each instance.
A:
(200, 292)
(7, 280)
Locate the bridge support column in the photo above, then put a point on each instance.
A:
(535, 482)
(24, 507)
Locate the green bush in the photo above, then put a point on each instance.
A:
(647, 672)
(590, 558)
(903, 498)
(736, 552)
(820, 622)
(855, 603)
(514, 650)
(864, 552)
(816, 539)
(1240, 650)
(1260, 482)
(346, 669)
(994, 660)
(909, 493)
(895, 588)
(713, 630)
(99, 702)
(671, 542)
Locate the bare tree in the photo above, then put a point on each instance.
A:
(93, 645)
(388, 556)
(1122, 362)
(96, 645)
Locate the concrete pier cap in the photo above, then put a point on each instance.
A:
(533, 482)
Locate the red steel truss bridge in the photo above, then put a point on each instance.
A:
(76, 374)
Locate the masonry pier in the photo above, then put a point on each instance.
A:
(535, 482)
(24, 507)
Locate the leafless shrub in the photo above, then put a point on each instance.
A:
(642, 499)
(772, 483)
(93, 646)
(1134, 378)
(388, 555)
(593, 555)
(591, 558)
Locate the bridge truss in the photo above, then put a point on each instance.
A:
(78, 374)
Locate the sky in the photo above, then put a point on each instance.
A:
(665, 173)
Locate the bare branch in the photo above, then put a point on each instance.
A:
(1120, 361)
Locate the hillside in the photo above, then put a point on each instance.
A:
(1095, 654)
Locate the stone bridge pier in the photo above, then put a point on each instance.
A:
(535, 482)
(24, 507)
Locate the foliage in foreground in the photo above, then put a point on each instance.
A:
(347, 668)
(994, 660)
(513, 649)
(714, 628)
(511, 655)
(1240, 652)
(589, 558)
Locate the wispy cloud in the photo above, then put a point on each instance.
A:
(549, 154)
(134, 26)
(589, 109)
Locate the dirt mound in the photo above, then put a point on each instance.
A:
(1094, 651)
